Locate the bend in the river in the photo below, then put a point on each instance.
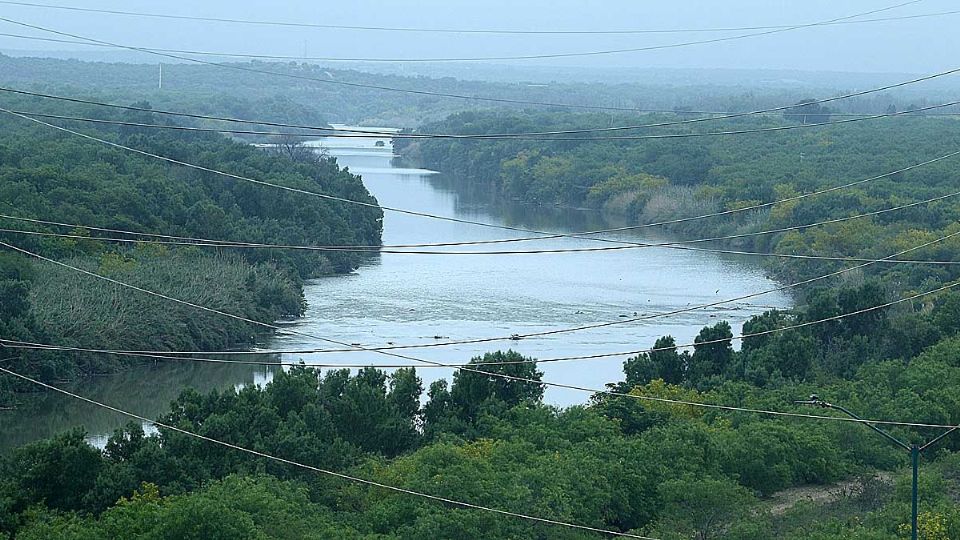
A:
(420, 299)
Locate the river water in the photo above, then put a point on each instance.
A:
(425, 299)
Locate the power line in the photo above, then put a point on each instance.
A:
(471, 367)
(335, 474)
(324, 81)
(340, 343)
(407, 249)
(337, 198)
(239, 177)
(889, 259)
(543, 234)
(604, 324)
(474, 31)
(527, 517)
(501, 136)
(461, 366)
(546, 235)
(722, 116)
(368, 132)
(466, 368)
(687, 309)
(302, 58)
(542, 56)
(374, 251)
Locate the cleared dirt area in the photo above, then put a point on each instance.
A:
(784, 500)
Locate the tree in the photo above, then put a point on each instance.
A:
(405, 391)
(712, 351)
(867, 296)
(763, 324)
(671, 366)
(58, 472)
(703, 507)
(637, 370)
(946, 313)
(808, 111)
(475, 393)
(292, 147)
(663, 362)
(366, 415)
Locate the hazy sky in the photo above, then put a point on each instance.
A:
(920, 45)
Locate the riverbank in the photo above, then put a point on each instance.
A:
(483, 295)
(82, 215)
(876, 184)
(408, 299)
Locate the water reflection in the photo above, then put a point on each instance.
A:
(146, 390)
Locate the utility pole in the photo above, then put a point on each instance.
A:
(160, 82)
(914, 449)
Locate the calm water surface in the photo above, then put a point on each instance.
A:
(410, 299)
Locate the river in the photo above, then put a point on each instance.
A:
(425, 299)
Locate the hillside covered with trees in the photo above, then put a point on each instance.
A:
(56, 176)
(306, 92)
(664, 179)
(621, 462)
(668, 451)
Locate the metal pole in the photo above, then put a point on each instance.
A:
(915, 459)
(914, 449)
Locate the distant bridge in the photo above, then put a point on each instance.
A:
(361, 153)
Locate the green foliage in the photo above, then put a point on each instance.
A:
(701, 507)
(258, 507)
(624, 463)
(713, 352)
(662, 180)
(48, 175)
(663, 362)
(474, 394)
(627, 462)
(57, 472)
(767, 458)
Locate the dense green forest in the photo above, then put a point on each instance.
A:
(622, 463)
(50, 175)
(654, 180)
(618, 462)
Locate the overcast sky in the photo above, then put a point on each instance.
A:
(919, 45)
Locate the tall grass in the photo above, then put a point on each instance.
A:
(80, 310)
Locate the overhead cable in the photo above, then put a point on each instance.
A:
(249, 69)
(542, 234)
(476, 370)
(344, 129)
(722, 116)
(523, 57)
(473, 367)
(327, 472)
(482, 137)
(373, 251)
(641, 397)
(411, 249)
(295, 24)
(592, 326)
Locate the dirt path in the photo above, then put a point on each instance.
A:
(783, 501)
